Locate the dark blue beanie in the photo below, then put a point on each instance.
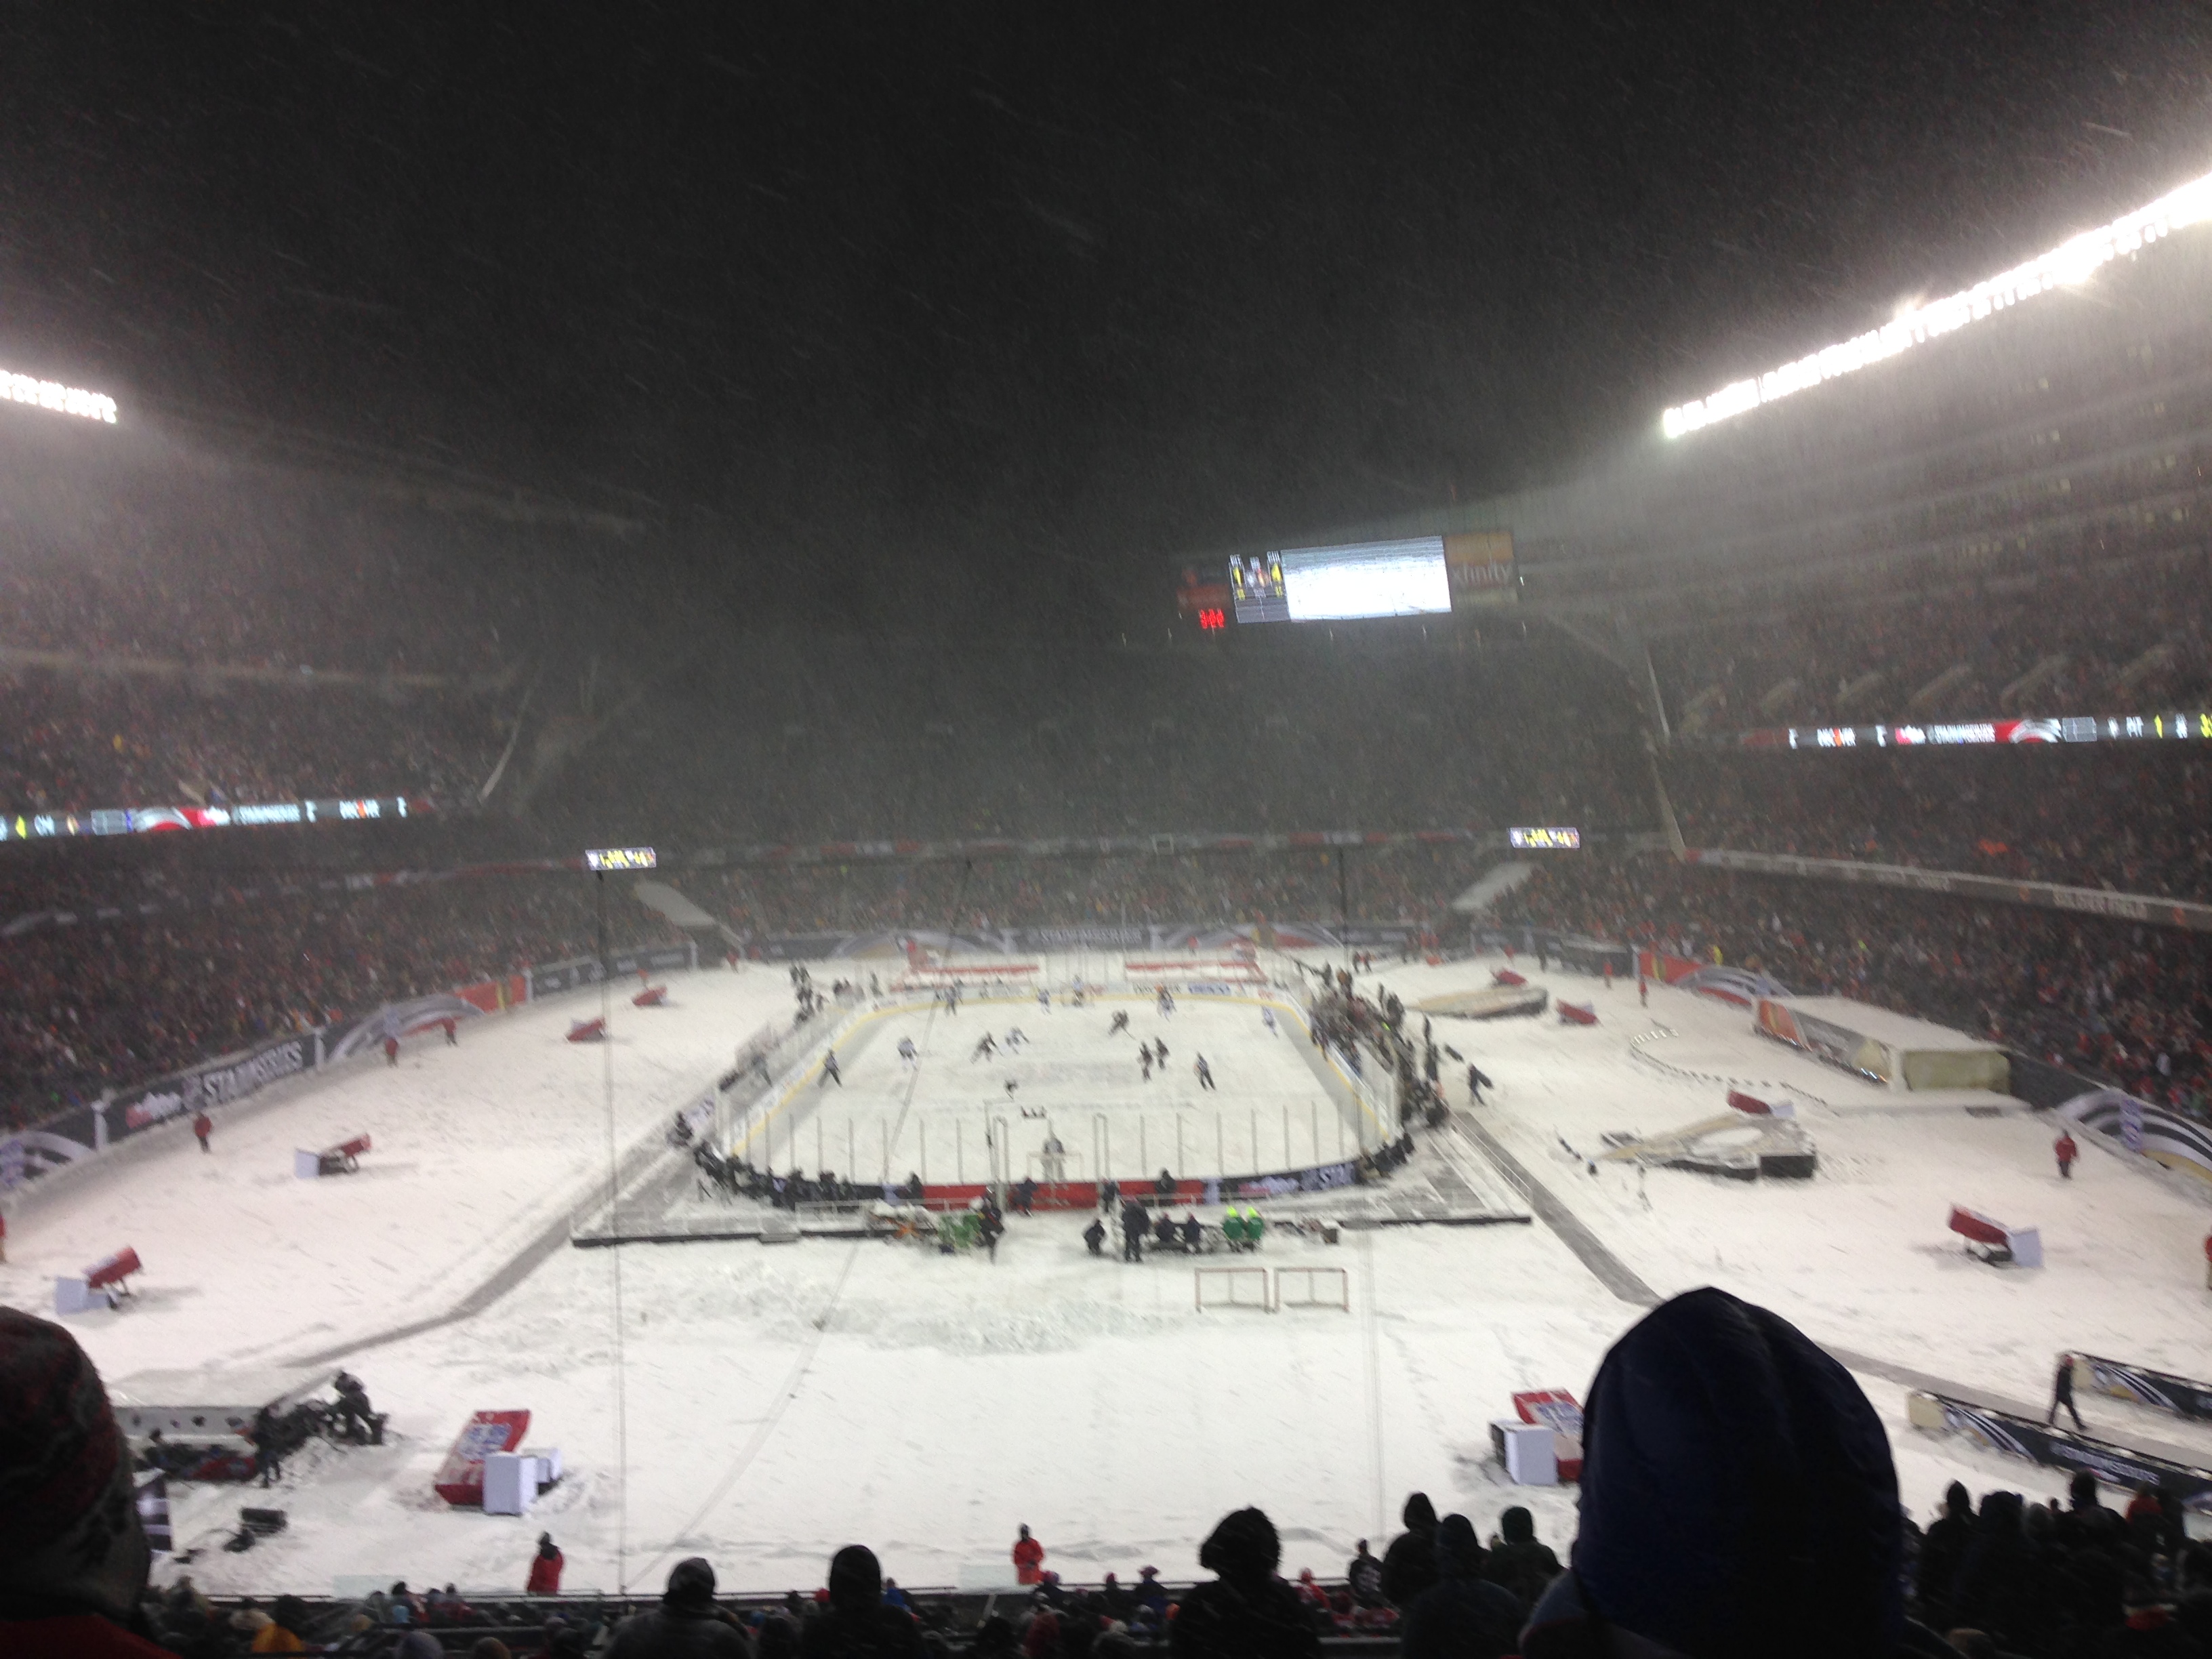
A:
(1737, 1491)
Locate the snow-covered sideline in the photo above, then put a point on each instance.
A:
(764, 1404)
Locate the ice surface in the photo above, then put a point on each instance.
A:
(776, 1403)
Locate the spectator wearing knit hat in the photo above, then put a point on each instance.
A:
(73, 1558)
(1738, 1501)
(859, 1621)
(1247, 1610)
(687, 1625)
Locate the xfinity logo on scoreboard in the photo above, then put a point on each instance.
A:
(1551, 840)
(604, 859)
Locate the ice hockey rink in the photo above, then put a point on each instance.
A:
(763, 1406)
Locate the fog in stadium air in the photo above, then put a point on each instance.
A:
(983, 316)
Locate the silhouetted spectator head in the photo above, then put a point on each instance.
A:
(1419, 1515)
(690, 1584)
(1959, 1502)
(777, 1638)
(69, 1520)
(1738, 1497)
(1517, 1525)
(856, 1578)
(1243, 1549)
(1459, 1552)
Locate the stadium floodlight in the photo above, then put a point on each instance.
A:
(2074, 263)
(53, 395)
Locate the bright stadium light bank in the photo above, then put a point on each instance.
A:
(53, 395)
(2071, 264)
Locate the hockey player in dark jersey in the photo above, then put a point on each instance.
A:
(1121, 1023)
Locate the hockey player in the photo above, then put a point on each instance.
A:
(1160, 1053)
(1205, 1072)
(1268, 1019)
(1044, 1000)
(829, 1073)
(985, 1049)
(1121, 1023)
(908, 1052)
(1145, 1055)
(1167, 1002)
(1016, 1039)
(1475, 1083)
(203, 1127)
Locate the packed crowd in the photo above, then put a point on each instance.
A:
(1738, 1499)
(97, 1003)
(1406, 883)
(2129, 1006)
(831, 739)
(2133, 817)
(2096, 642)
(182, 565)
(81, 743)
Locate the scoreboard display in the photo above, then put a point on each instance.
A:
(605, 858)
(1554, 838)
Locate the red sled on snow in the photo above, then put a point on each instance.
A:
(587, 1031)
(461, 1477)
(1576, 1013)
(653, 996)
(1758, 1108)
(1990, 1240)
(1507, 976)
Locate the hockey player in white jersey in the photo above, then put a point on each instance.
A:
(908, 1052)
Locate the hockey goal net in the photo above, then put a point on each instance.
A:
(1231, 1287)
(1313, 1287)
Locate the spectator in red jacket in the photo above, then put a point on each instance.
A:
(546, 1568)
(2066, 1152)
(1028, 1554)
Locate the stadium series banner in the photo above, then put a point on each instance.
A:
(82, 1131)
(2020, 1436)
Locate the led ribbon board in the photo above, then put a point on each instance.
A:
(53, 395)
(1551, 838)
(604, 859)
(2073, 262)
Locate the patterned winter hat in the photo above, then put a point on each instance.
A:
(69, 1527)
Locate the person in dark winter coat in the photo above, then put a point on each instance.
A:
(1095, 1235)
(687, 1625)
(1738, 1501)
(1519, 1563)
(1134, 1226)
(1246, 1612)
(1462, 1615)
(1409, 1565)
(1363, 1576)
(1943, 1549)
(2062, 1393)
(859, 1623)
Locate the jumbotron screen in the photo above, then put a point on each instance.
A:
(1333, 583)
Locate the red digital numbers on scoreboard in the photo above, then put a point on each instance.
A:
(1210, 621)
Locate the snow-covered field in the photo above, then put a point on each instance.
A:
(763, 1406)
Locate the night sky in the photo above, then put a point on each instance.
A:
(1008, 307)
